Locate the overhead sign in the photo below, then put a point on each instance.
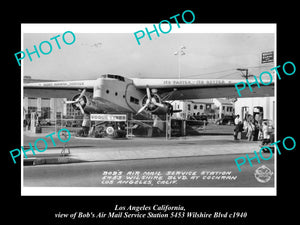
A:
(267, 57)
(108, 117)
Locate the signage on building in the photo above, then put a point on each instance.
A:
(267, 57)
(109, 117)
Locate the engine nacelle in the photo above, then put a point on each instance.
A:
(167, 109)
(155, 109)
(82, 101)
(88, 105)
(92, 107)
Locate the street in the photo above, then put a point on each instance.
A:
(95, 174)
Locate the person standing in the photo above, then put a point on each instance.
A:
(238, 127)
(250, 128)
(256, 130)
(266, 134)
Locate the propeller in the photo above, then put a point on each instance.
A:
(80, 107)
(144, 107)
(156, 103)
(151, 100)
(77, 101)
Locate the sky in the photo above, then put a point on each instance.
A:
(207, 55)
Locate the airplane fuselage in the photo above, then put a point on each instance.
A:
(114, 93)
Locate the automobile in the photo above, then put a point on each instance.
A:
(226, 120)
(201, 117)
(45, 122)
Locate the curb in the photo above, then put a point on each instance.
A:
(65, 159)
(50, 160)
(106, 154)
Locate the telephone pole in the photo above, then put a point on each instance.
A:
(246, 75)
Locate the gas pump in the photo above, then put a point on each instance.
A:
(34, 126)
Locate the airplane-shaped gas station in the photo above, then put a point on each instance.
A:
(138, 98)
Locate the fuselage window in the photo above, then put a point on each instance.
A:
(134, 100)
(107, 91)
(116, 93)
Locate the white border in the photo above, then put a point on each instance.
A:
(145, 191)
(131, 28)
(153, 191)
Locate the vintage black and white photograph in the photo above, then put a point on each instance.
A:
(111, 109)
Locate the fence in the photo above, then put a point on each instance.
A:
(132, 128)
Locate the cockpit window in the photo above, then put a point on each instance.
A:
(112, 76)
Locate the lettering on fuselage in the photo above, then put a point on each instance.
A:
(63, 84)
(193, 82)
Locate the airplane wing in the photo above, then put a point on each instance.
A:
(181, 89)
(57, 89)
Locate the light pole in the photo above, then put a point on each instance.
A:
(179, 53)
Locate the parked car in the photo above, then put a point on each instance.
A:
(201, 117)
(226, 120)
(45, 122)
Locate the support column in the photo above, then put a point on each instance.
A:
(168, 126)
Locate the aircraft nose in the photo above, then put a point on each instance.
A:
(98, 87)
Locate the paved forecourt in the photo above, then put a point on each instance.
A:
(105, 149)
